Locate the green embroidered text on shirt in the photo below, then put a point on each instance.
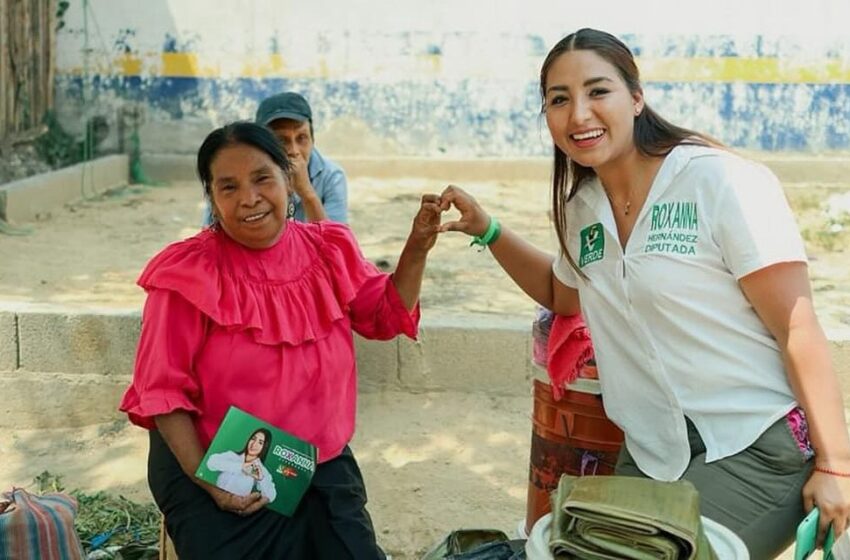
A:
(674, 215)
(673, 228)
(592, 244)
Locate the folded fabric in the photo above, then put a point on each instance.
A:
(617, 518)
(569, 349)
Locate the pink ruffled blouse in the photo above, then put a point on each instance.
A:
(268, 331)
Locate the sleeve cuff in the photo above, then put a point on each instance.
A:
(142, 410)
(407, 320)
(562, 271)
(756, 265)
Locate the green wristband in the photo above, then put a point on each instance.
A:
(490, 236)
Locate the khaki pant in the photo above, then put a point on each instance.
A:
(755, 493)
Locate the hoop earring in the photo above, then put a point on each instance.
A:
(290, 210)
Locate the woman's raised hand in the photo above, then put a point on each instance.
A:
(426, 224)
(473, 219)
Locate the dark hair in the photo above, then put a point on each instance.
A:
(242, 132)
(653, 135)
(266, 444)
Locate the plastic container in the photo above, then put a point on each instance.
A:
(726, 544)
(570, 436)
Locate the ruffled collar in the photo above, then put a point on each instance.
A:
(289, 293)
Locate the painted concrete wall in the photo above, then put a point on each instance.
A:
(34, 198)
(449, 77)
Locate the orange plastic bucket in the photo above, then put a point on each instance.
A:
(570, 436)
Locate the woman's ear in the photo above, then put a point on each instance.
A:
(216, 217)
(288, 178)
(637, 98)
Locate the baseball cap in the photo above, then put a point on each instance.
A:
(287, 105)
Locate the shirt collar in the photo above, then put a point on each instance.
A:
(675, 162)
(316, 164)
(593, 194)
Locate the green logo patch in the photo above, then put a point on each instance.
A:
(592, 244)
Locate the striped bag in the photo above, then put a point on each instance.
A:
(38, 527)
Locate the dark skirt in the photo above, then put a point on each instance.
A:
(331, 521)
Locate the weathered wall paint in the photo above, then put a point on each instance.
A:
(427, 79)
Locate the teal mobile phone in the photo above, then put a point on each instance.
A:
(807, 534)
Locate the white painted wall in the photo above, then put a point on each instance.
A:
(447, 76)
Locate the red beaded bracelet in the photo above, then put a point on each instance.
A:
(832, 472)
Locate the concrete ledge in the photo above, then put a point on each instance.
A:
(84, 362)
(84, 343)
(33, 198)
(789, 169)
(492, 360)
(8, 341)
(377, 364)
(40, 400)
(170, 167)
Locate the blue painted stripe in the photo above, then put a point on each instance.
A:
(472, 118)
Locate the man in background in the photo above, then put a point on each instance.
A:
(320, 190)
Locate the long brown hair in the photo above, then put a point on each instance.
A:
(653, 135)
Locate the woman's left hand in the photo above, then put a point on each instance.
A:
(426, 224)
(831, 494)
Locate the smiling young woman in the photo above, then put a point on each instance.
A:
(590, 110)
(691, 273)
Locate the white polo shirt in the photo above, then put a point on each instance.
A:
(673, 333)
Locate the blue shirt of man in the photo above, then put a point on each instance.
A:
(328, 180)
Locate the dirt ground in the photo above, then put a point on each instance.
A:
(432, 462)
(89, 254)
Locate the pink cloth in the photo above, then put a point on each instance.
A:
(569, 349)
(269, 331)
(800, 428)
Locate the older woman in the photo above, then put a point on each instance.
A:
(258, 312)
